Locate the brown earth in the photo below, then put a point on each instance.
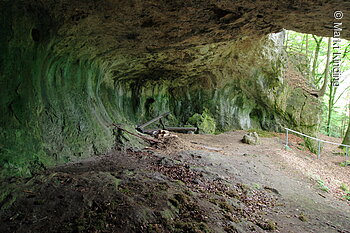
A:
(194, 183)
(294, 174)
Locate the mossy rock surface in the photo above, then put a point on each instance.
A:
(60, 92)
(204, 122)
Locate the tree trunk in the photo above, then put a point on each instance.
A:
(307, 57)
(302, 44)
(286, 40)
(346, 139)
(324, 86)
(330, 109)
(317, 51)
(307, 46)
(343, 127)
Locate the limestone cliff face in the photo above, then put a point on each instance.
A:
(241, 83)
(68, 69)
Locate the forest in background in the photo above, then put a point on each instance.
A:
(315, 57)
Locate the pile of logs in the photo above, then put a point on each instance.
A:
(163, 134)
(141, 129)
(157, 133)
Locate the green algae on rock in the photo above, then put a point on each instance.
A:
(205, 123)
(63, 83)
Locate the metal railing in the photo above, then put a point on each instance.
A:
(319, 143)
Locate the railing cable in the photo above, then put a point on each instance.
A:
(318, 143)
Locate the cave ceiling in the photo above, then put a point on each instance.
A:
(146, 26)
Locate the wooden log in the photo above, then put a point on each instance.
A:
(137, 135)
(181, 129)
(174, 129)
(140, 127)
(150, 131)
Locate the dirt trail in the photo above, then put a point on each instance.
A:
(292, 173)
(194, 183)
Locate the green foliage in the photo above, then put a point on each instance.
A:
(302, 59)
(312, 145)
(302, 51)
(338, 122)
(322, 185)
(347, 196)
(256, 186)
(344, 164)
(204, 122)
(344, 187)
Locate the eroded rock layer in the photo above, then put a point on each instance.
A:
(68, 69)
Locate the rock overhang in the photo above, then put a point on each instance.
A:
(70, 68)
(134, 27)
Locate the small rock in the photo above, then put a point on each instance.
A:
(160, 176)
(196, 155)
(196, 181)
(272, 190)
(303, 218)
(251, 138)
(166, 162)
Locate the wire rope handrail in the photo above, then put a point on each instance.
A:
(319, 142)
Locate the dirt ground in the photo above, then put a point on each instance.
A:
(193, 183)
(294, 174)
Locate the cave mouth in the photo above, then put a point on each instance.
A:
(85, 66)
(77, 77)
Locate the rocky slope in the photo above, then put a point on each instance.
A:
(68, 69)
